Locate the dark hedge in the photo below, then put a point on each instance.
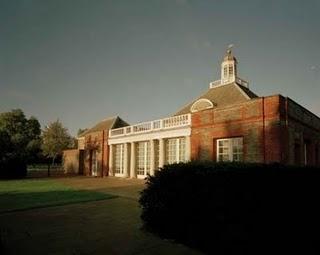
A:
(13, 169)
(235, 208)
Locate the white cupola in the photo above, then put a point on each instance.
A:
(228, 68)
(229, 71)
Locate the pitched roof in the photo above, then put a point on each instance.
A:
(222, 96)
(106, 124)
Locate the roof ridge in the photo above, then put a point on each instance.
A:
(89, 130)
(242, 91)
(113, 117)
(114, 121)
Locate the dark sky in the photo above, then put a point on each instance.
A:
(81, 61)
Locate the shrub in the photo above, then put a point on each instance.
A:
(233, 207)
(13, 168)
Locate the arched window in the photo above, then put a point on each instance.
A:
(201, 104)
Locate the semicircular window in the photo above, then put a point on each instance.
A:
(201, 104)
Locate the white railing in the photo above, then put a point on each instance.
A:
(215, 83)
(224, 82)
(155, 125)
(242, 82)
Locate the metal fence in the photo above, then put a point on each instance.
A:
(43, 170)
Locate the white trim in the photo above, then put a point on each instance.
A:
(133, 160)
(146, 159)
(149, 136)
(188, 149)
(119, 175)
(162, 156)
(174, 122)
(230, 147)
(121, 160)
(111, 152)
(152, 157)
(192, 108)
(126, 160)
(177, 150)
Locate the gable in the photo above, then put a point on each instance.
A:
(106, 124)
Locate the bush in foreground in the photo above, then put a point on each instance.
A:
(234, 208)
(13, 169)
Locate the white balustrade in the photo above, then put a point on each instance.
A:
(223, 82)
(242, 82)
(167, 123)
(156, 124)
(116, 132)
(128, 130)
(142, 127)
(215, 83)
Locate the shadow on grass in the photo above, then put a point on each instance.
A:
(11, 202)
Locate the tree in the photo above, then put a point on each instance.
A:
(55, 139)
(19, 142)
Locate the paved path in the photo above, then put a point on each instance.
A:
(103, 227)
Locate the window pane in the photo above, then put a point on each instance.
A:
(171, 151)
(182, 149)
(230, 149)
(119, 159)
(237, 149)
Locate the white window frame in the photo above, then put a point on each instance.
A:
(176, 153)
(119, 173)
(145, 158)
(201, 100)
(230, 148)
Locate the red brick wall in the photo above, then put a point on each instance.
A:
(242, 120)
(70, 161)
(96, 141)
(268, 137)
(303, 127)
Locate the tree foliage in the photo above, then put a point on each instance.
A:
(19, 139)
(55, 139)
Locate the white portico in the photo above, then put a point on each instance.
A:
(138, 150)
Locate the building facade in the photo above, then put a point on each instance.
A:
(227, 123)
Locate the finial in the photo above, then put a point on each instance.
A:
(230, 46)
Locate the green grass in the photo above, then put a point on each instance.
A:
(26, 194)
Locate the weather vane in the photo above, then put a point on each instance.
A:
(230, 46)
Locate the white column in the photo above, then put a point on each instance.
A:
(111, 160)
(152, 157)
(161, 152)
(133, 161)
(126, 160)
(188, 148)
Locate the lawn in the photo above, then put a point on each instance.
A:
(24, 194)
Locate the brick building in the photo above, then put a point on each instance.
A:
(227, 123)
